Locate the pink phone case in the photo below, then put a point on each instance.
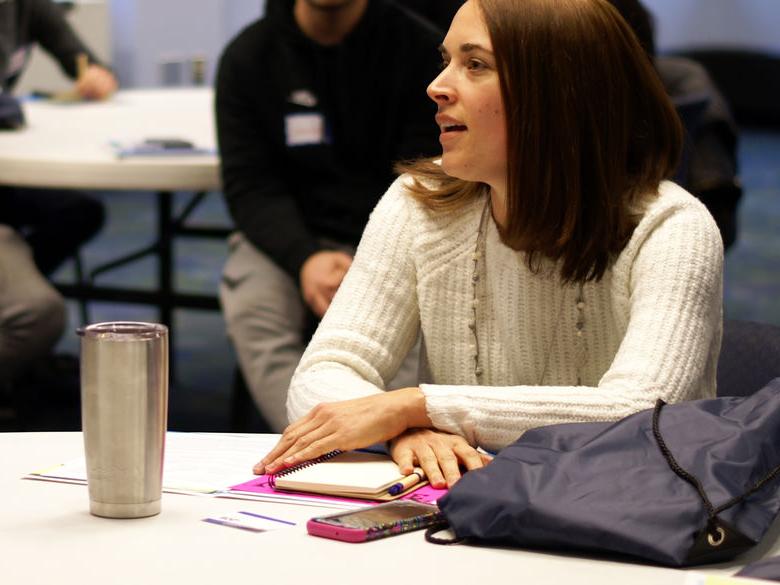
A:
(349, 534)
(338, 532)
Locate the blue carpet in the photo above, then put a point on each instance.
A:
(752, 267)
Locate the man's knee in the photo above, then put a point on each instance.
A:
(45, 316)
(257, 296)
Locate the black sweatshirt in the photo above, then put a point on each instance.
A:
(308, 134)
(24, 22)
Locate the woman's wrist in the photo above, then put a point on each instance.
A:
(414, 410)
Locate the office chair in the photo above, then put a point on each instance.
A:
(690, 108)
(749, 357)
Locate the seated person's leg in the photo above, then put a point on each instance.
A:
(32, 313)
(265, 320)
(55, 222)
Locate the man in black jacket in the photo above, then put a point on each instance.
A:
(315, 102)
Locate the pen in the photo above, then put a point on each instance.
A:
(416, 477)
(82, 63)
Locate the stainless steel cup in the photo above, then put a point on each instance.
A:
(124, 415)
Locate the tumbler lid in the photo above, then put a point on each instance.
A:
(124, 330)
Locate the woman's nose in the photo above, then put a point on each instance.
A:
(439, 90)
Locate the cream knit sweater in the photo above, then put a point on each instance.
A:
(652, 324)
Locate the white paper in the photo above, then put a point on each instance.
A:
(200, 462)
(250, 521)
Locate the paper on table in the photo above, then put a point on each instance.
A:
(194, 462)
(250, 521)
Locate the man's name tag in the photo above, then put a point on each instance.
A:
(304, 129)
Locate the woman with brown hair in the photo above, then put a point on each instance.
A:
(554, 274)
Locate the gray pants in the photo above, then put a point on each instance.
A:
(265, 316)
(32, 312)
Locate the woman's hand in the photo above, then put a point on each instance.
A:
(439, 454)
(347, 425)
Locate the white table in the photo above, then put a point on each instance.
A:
(48, 536)
(69, 146)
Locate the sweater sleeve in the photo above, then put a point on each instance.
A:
(49, 28)
(674, 282)
(373, 320)
(258, 197)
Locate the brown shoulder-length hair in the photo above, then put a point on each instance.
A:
(590, 133)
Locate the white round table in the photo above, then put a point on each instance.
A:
(48, 536)
(69, 145)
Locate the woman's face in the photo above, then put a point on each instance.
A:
(470, 110)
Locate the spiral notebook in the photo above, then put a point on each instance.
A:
(352, 474)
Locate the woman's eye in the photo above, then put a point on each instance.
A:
(475, 65)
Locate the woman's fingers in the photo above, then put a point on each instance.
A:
(441, 455)
(426, 458)
(404, 458)
(469, 457)
(308, 445)
(287, 442)
(448, 462)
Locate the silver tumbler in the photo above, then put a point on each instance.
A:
(124, 415)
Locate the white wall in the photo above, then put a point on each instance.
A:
(147, 33)
(746, 24)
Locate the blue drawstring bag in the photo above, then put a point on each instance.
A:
(684, 484)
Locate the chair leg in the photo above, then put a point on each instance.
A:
(83, 307)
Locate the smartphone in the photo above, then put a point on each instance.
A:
(168, 143)
(375, 522)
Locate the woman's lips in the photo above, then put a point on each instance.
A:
(450, 134)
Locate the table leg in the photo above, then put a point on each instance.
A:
(165, 265)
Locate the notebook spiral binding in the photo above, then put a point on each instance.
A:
(301, 465)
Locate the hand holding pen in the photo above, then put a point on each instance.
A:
(93, 82)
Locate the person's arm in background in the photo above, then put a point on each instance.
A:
(47, 26)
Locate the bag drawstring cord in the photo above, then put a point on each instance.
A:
(712, 511)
